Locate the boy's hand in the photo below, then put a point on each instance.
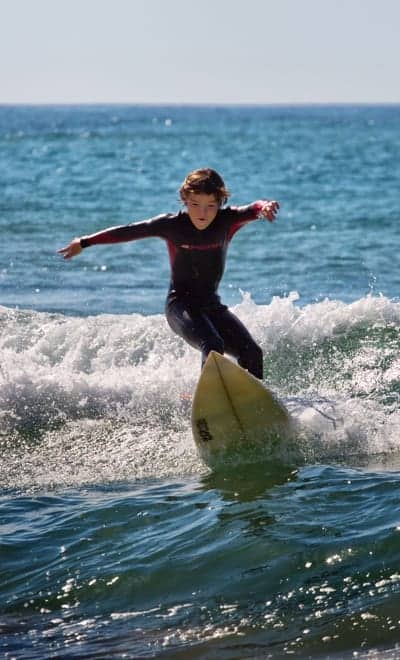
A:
(270, 210)
(71, 250)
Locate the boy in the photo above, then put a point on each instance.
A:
(197, 240)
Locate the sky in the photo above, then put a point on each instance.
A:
(199, 51)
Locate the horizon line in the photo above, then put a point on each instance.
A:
(208, 104)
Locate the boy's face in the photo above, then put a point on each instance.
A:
(202, 209)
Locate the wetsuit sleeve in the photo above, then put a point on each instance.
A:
(241, 215)
(155, 227)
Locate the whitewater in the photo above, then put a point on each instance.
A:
(104, 397)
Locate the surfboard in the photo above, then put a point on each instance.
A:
(232, 410)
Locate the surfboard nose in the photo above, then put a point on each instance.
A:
(213, 356)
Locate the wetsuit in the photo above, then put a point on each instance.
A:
(197, 257)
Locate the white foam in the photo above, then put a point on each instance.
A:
(284, 318)
(100, 398)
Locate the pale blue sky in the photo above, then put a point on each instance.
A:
(199, 51)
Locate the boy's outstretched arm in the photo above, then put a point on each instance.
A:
(119, 234)
(72, 249)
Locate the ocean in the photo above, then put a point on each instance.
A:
(116, 540)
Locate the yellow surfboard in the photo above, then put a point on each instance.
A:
(233, 410)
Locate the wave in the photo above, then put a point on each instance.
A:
(108, 397)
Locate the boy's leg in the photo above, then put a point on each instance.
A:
(196, 328)
(238, 341)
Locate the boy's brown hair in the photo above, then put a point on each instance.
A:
(204, 181)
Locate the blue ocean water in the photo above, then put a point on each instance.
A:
(115, 539)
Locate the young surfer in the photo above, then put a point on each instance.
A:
(197, 239)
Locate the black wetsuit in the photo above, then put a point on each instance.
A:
(193, 307)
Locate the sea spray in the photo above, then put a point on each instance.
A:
(108, 397)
